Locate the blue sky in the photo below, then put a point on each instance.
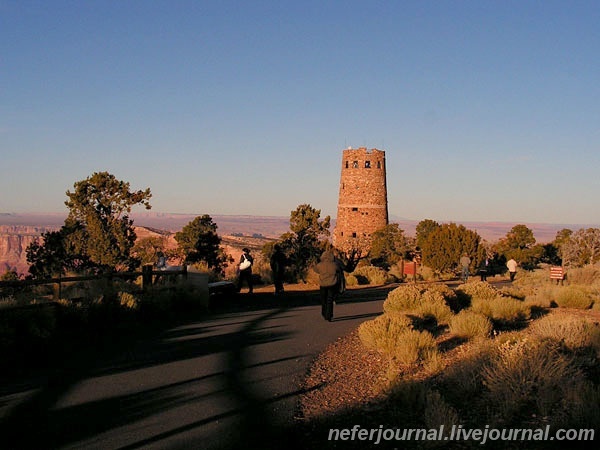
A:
(487, 110)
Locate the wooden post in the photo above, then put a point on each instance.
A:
(146, 277)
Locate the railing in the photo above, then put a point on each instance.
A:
(147, 275)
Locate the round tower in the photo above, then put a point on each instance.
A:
(362, 204)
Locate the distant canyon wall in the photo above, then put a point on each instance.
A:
(14, 240)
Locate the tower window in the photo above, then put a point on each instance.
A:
(354, 234)
(355, 164)
(354, 209)
(367, 164)
(346, 164)
(378, 164)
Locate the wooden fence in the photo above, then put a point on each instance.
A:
(148, 276)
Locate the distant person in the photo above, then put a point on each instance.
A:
(484, 268)
(328, 271)
(512, 268)
(278, 263)
(245, 270)
(161, 262)
(465, 262)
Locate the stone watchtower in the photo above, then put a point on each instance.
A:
(362, 204)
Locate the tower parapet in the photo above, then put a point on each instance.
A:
(362, 205)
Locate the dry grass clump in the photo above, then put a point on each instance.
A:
(527, 376)
(383, 332)
(504, 311)
(574, 333)
(573, 297)
(415, 346)
(470, 324)
(371, 275)
(438, 412)
(425, 302)
(478, 290)
(586, 276)
(393, 335)
(517, 379)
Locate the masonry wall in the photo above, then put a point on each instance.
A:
(362, 204)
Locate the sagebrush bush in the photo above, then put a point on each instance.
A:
(393, 335)
(128, 300)
(574, 333)
(469, 324)
(382, 333)
(573, 297)
(505, 311)
(374, 275)
(415, 346)
(478, 290)
(438, 412)
(351, 280)
(527, 377)
(425, 302)
(585, 276)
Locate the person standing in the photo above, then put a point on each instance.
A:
(328, 271)
(483, 268)
(245, 270)
(512, 268)
(278, 268)
(465, 262)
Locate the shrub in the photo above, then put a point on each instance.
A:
(351, 280)
(573, 333)
(414, 346)
(478, 290)
(437, 412)
(573, 297)
(373, 275)
(424, 302)
(586, 276)
(527, 377)
(502, 310)
(127, 300)
(382, 333)
(469, 324)
(393, 335)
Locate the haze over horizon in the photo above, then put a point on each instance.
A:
(487, 111)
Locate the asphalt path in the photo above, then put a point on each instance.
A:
(228, 380)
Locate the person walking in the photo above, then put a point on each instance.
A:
(245, 270)
(328, 271)
(512, 268)
(278, 263)
(465, 262)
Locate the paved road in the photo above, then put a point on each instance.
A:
(231, 380)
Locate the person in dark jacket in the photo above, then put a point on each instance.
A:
(329, 278)
(245, 269)
(484, 268)
(278, 268)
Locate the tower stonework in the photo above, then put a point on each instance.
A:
(362, 205)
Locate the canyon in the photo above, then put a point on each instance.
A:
(18, 231)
